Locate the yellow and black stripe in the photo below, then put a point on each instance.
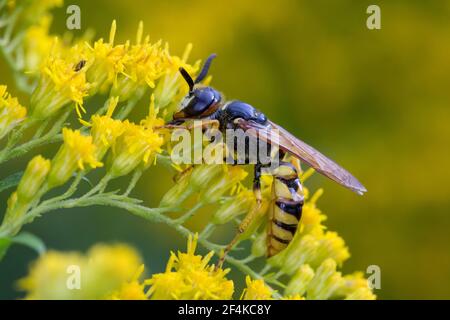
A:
(286, 208)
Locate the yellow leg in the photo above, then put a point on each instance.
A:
(248, 218)
(180, 174)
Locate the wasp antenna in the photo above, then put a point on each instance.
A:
(205, 68)
(187, 77)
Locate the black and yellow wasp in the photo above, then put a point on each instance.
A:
(205, 103)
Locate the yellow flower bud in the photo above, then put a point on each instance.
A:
(331, 246)
(326, 281)
(300, 251)
(15, 210)
(33, 178)
(76, 150)
(202, 175)
(227, 181)
(234, 207)
(178, 193)
(259, 245)
(300, 281)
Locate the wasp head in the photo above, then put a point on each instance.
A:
(200, 100)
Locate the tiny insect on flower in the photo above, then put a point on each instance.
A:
(58, 85)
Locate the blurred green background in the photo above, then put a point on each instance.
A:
(376, 101)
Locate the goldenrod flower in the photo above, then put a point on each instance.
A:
(47, 277)
(355, 287)
(108, 62)
(11, 112)
(76, 151)
(229, 181)
(188, 276)
(256, 290)
(178, 193)
(33, 178)
(28, 190)
(59, 84)
(152, 120)
(299, 282)
(136, 145)
(234, 206)
(331, 246)
(105, 130)
(312, 217)
(131, 290)
(103, 272)
(204, 174)
(143, 65)
(326, 281)
(172, 87)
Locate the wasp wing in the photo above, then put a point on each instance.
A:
(289, 143)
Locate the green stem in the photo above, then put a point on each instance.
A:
(100, 187)
(189, 214)
(134, 179)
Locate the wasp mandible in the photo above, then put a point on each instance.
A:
(205, 103)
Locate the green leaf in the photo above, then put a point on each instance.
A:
(10, 181)
(26, 239)
(4, 245)
(30, 240)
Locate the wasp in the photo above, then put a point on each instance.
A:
(206, 104)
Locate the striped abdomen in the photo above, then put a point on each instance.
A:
(286, 208)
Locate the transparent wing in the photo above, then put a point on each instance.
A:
(289, 143)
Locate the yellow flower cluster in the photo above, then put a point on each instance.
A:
(115, 272)
(11, 112)
(188, 276)
(101, 273)
(69, 74)
(220, 180)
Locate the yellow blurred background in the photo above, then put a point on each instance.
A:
(376, 101)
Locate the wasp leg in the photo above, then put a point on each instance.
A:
(182, 173)
(249, 217)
